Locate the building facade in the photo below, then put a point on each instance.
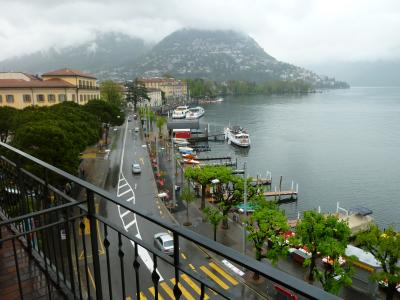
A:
(20, 90)
(155, 98)
(174, 89)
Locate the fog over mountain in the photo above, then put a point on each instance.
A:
(377, 73)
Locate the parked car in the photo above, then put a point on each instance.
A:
(164, 242)
(129, 119)
(136, 129)
(135, 116)
(136, 168)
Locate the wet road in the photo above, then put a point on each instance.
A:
(140, 193)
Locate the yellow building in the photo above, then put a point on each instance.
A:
(174, 89)
(20, 90)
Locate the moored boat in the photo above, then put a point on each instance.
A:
(190, 161)
(180, 112)
(195, 113)
(238, 136)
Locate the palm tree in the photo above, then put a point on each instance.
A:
(160, 122)
(188, 197)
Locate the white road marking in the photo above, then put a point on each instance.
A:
(130, 224)
(143, 253)
(130, 199)
(123, 185)
(124, 193)
(135, 186)
(124, 214)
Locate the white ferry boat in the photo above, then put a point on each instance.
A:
(195, 113)
(238, 136)
(180, 112)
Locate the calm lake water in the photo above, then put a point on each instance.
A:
(340, 145)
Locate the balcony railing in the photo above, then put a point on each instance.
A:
(55, 217)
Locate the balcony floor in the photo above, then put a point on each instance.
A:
(33, 279)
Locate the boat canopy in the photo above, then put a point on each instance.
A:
(360, 210)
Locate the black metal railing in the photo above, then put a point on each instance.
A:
(61, 222)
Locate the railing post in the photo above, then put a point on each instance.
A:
(94, 242)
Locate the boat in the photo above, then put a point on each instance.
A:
(190, 161)
(195, 113)
(180, 142)
(238, 136)
(358, 218)
(189, 156)
(186, 150)
(180, 112)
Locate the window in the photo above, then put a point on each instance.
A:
(80, 83)
(61, 97)
(26, 98)
(51, 97)
(40, 98)
(84, 97)
(10, 98)
(1, 99)
(80, 98)
(73, 97)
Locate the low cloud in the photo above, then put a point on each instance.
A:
(300, 32)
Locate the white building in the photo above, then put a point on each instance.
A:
(155, 98)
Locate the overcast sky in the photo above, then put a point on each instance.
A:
(296, 31)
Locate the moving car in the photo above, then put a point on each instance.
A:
(135, 116)
(136, 168)
(164, 242)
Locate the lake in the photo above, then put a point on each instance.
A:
(339, 146)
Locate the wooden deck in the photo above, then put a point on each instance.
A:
(277, 194)
(33, 279)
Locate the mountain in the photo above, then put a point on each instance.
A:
(363, 73)
(187, 53)
(219, 55)
(103, 56)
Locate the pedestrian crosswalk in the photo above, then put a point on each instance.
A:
(189, 287)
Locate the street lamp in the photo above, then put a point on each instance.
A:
(245, 206)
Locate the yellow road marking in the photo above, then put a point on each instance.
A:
(91, 278)
(142, 296)
(152, 291)
(224, 274)
(183, 255)
(87, 227)
(192, 267)
(168, 290)
(128, 298)
(184, 291)
(214, 277)
(193, 285)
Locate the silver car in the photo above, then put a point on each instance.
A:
(136, 168)
(164, 242)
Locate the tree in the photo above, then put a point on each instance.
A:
(188, 197)
(329, 237)
(385, 247)
(6, 121)
(135, 92)
(203, 176)
(266, 224)
(214, 216)
(111, 92)
(160, 122)
(106, 112)
(47, 141)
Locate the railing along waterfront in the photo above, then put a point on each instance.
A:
(55, 217)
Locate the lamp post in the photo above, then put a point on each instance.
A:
(245, 207)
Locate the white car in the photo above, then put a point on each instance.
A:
(136, 129)
(164, 242)
(136, 168)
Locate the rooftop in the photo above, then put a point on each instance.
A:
(34, 83)
(68, 72)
